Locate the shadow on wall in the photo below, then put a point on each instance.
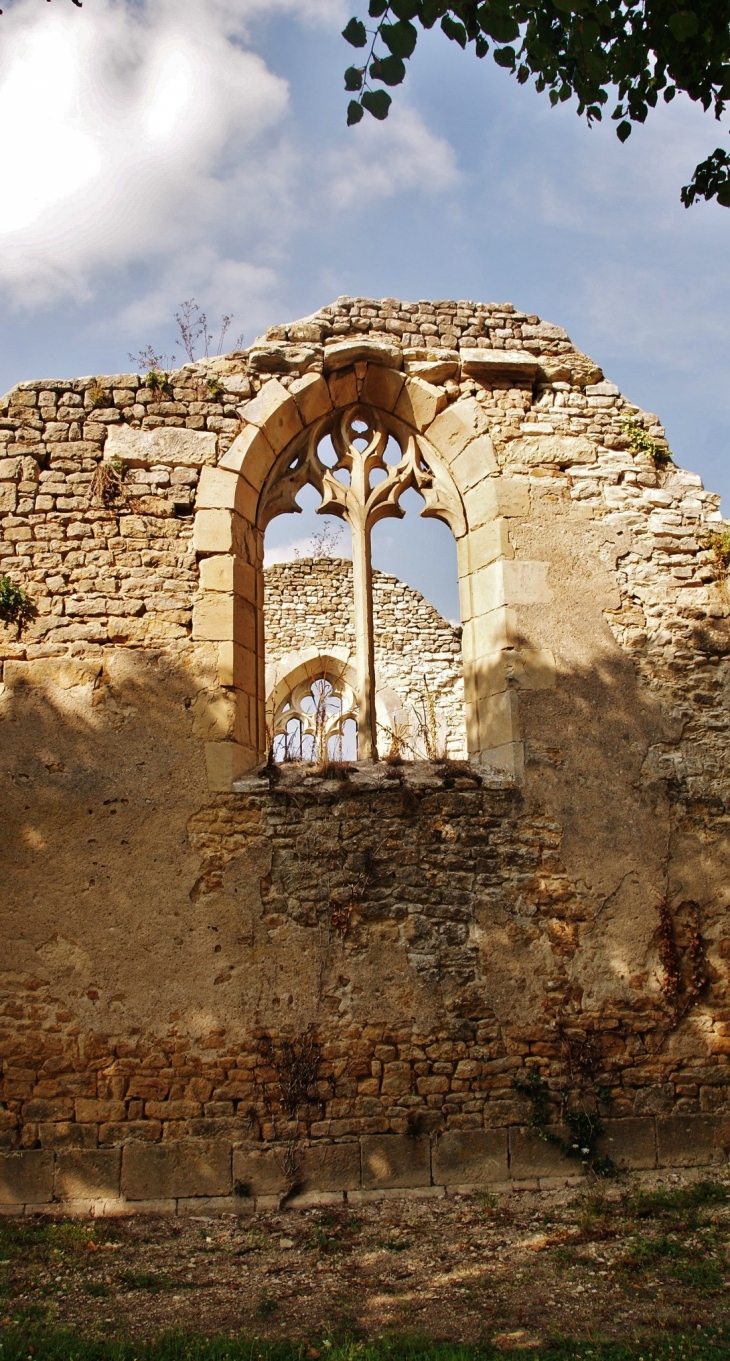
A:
(133, 897)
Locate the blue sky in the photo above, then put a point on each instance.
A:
(164, 149)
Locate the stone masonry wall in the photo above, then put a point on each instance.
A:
(438, 932)
(309, 602)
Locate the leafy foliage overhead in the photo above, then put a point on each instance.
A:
(630, 51)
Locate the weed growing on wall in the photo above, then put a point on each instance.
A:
(640, 442)
(718, 541)
(97, 396)
(106, 484)
(16, 606)
(584, 1127)
(684, 981)
(296, 1063)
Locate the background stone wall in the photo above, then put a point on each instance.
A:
(309, 602)
(439, 931)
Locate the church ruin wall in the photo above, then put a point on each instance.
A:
(179, 925)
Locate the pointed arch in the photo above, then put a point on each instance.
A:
(261, 474)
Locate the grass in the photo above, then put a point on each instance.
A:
(39, 1238)
(20, 1344)
(145, 1280)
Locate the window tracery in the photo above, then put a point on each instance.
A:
(372, 461)
(315, 722)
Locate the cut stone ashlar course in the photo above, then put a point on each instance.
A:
(224, 1179)
(442, 927)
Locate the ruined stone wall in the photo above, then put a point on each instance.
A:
(438, 931)
(308, 602)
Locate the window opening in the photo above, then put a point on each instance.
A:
(362, 469)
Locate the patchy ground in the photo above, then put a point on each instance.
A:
(611, 1260)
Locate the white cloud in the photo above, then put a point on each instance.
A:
(381, 159)
(155, 147)
(125, 116)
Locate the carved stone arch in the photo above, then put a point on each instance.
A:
(232, 504)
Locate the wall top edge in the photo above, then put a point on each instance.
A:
(422, 330)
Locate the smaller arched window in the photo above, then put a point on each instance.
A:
(316, 721)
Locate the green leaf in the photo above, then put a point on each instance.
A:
(623, 131)
(669, 93)
(502, 27)
(355, 33)
(431, 10)
(353, 77)
(391, 70)
(505, 56)
(481, 46)
(400, 38)
(683, 25)
(376, 8)
(454, 30)
(354, 113)
(377, 102)
(404, 9)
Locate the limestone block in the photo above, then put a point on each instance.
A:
(690, 1141)
(312, 396)
(419, 402)
(250, 454)
(493, 496)
(8, 496)
(226, 762)
(509, 582)
(64, 672)
(330, 1167)
(563, 450)
(455, 427)
(382, 387)
(473, 463)
(475, 1157)
(531, 1156)
(395, 1160)
(630, 1144)
(259, 1170)
(173, 445)
(487, 633)
(221, 489)
(87, 1172)
(223, 572)
(275, 412)
(508, 758)
(341, 354)
(213, 616)
(487, 364)
(435, 366)
(26, 1178)
(218, 531)
(214, 717)
(499, 719)
(237, 666)
(182, 1167)
(484, 545)
(532, 668)
(525, 668)
(343, 388)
